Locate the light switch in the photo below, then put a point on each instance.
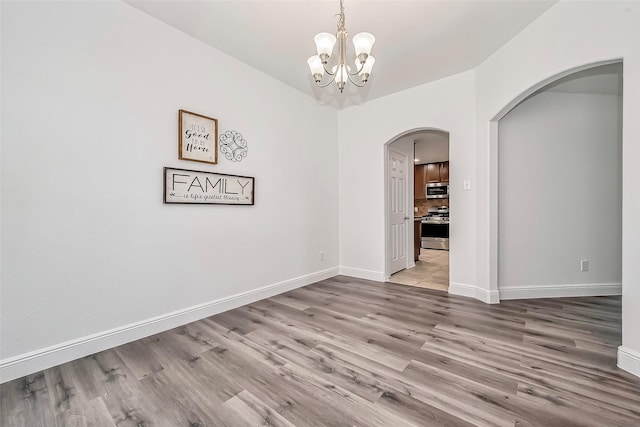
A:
(467, 184)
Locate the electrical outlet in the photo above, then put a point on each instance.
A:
(467, 184)
(584, 265)
(415, 209)
(321, 256)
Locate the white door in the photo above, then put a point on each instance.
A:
(398, 216)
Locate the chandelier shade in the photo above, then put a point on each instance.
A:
(324, 44)
(317, 70)
(363, 42)
(340, 73)
(365, 72)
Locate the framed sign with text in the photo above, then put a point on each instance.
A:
(199, 187)
(197, 137)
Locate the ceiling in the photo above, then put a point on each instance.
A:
(431, 146)
(416, 41)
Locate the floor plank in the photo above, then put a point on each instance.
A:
(350, 352)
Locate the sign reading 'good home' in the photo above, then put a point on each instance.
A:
(188, 186)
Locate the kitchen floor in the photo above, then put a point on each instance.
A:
(431, 271)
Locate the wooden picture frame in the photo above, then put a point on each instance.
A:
(185, 186)
(197, 137)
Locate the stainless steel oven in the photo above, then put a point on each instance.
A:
(437, 190)
(435, 234)
(435, 229)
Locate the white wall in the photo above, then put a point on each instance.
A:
(560, 195)
(446, 104)
(90, 97)
(569, 35)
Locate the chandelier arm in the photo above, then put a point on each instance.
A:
(329, 82)
(327, 71)
(357, 72)
(352, 81)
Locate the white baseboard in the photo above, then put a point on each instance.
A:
(359, 273)
(35, 361)
(473, 291)
(556, 291)
(629, 360)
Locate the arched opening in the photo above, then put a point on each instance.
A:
(416, 176)
(556, 187)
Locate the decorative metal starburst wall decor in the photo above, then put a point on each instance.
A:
(233, 146)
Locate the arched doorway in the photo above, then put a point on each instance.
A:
(561, 276)
(417, 260)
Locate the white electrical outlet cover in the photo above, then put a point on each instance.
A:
(584, 265)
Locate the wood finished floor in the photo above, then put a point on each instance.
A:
(348, 352)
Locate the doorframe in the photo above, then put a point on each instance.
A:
(410, 193)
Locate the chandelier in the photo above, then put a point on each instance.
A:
(340, 72)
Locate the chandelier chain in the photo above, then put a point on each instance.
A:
(341, 18)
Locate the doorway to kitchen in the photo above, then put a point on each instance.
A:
(426, 197)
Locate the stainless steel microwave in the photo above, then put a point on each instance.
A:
(437, 190)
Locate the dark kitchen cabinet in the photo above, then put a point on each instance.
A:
(433, 172)
(418, 182)
(444, 172)
(437, 172)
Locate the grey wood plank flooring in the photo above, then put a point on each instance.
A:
(349, 352)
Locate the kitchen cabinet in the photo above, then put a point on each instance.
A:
(444, 172)
(437, 172)
(418, 182)
(433, 172)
